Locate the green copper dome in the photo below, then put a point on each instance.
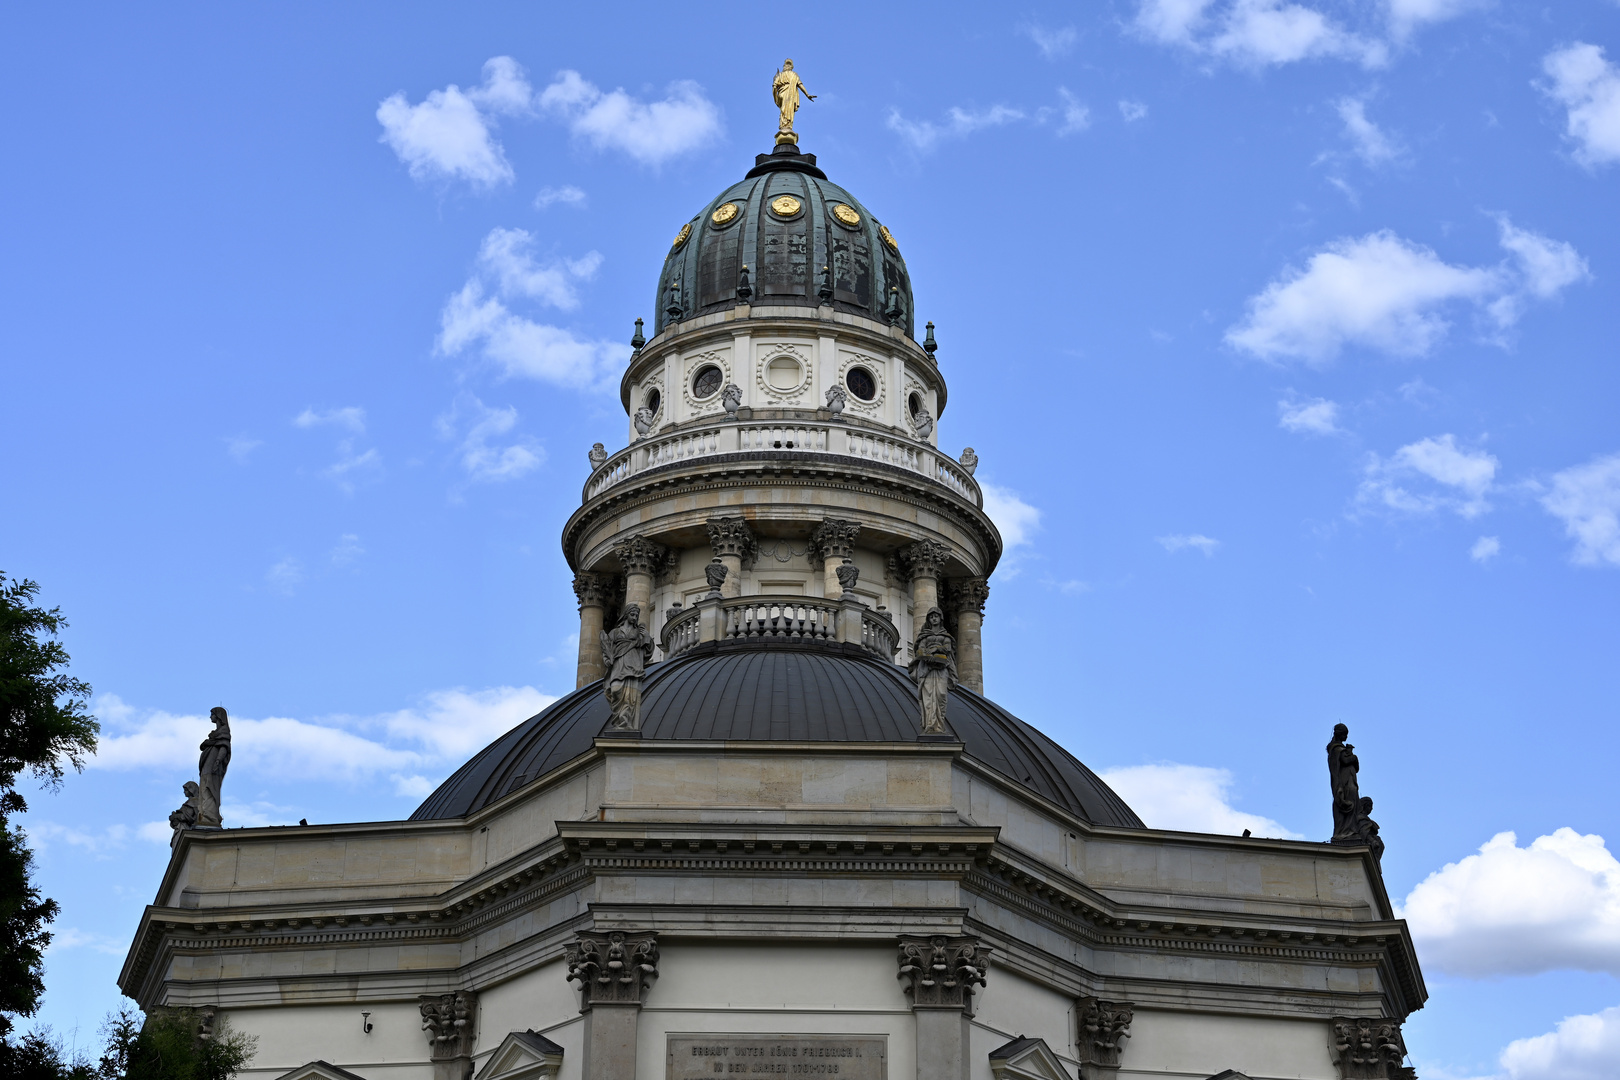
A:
(801, 238)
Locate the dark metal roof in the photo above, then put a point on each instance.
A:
(771, 692)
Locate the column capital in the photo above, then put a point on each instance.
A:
(593, 590)
(1103, 1027)
(732, 536)
(613, 967)
(1369, 1048)
(833, 539)
(941, 972)
(451, 1023)
(968, 594)
(640, 555)
(925, 558)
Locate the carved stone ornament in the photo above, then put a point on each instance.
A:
(1103, 1028)
(1368, 1049)
(593, 590)
(186, 816)
(214, 758)
(969, 594)
(598, 456)
(837, 398)
(1352, 821)
(644, 421)
(450, 1021)
(834, 538)
(715, 574)
(848, 574)
(641, 556)
(626, 651)
(933, 669)
(941, 972)
(922, 423)
(969, 460)
(612, 968)
(732, 536)
(731, 400)
(925, 558)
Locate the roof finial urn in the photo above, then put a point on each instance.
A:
(640, 340)
(929, 344)
(826, 290)
(745, 291)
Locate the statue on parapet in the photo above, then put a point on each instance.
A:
(933, 669)
(185, 817)
(626, 651)
(214, 759)
(731, 400)
(1352, 811)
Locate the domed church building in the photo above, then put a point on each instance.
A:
(778, 829)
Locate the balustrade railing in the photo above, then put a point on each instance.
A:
(781, 437)
(783, 618)
(888, 451)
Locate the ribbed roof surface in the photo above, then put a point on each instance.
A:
(776, 693)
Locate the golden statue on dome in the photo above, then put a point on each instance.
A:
(785, 91)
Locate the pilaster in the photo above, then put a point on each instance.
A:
(940, 973)
(1103, 1027)
(1366, 1048)
(451, 1024)
(614, 971)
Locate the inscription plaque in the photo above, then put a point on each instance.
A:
(848, 1057)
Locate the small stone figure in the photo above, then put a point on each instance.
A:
(848, 574)
(211, 765)
(715, 574)
(933, 669)
(970, 461)
(923, 423)
(626, 651)
(837, 398)
(1343, 770)
(598, 456)
(186, 816)
(1369, 830)
(731, 400)
(644, 421)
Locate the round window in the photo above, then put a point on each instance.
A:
(654, 400)
(706, 383)
(783, 373)
(915, 404)
(861, 383)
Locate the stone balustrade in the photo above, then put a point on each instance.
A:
(785, 618)
(767, 437)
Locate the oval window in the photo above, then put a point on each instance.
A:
(783, 373)
(915, 404)
(706, 383)
(654, 401)
(861, 383)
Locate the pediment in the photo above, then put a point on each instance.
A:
(523, 1055)
(319, 1070)
(1229, 1074)
(1027, 1059)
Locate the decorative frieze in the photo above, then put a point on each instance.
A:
(1103, 1027)
(1366, 1048)
(612, 968)
(450, 1021)
(941, 972)
(925, 558)
(833, 540)
(732, 536)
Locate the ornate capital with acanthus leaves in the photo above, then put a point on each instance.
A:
(641, 556)
(941, 972)
(1367, 1048)
(450, 1021)
(833, 539)
(732, 536)
(925, 558)
(969, 594)
(612, 968)
(1103, 1028)
(593, 590)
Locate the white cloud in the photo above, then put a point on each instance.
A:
(1194, 541)
(414, 787)
(45, 834)
(522, 347)
(1311, 416)
(240, 447)
(649, 132)
(476, 425)
(1553, 905)
(1465, 476)
(1014, 518)
(1485, 549)
(353, 466)
(924, 135)
(1052, 43)
(1076, 116)
(1385, 293)
(156, 832)
(285, 575)
(1586, 498)
(452, 724)
(348, 550)
(1188, 798)
(350, 418)
(73, 938)
(1588, 87)
(449, 135)
(1371, 144)
(506, 257)
(1171, 22)
(1258, 32)
(1580, 1048)
(1405, 16)
(1132, 111)
(568, 195)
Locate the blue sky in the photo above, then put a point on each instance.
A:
(1285, 334)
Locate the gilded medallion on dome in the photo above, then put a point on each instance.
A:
(846, 215)
(888, 238)
(725, 214)
(785, 206)
(682, 237)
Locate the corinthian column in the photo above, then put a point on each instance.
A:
(967, 596)
(733, 542)
(614, 971)
(593, 591)
(641, 559)
(923, 562)
(940, 974)
(831, 543)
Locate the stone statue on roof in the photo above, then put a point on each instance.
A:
(214, 759)
(626, 651)
(933, 669)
